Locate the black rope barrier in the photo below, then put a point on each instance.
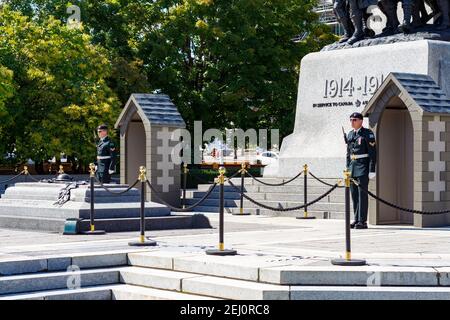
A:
(234, 175)
(13, 178)
(274, 184)
(396, 206)
(33, 178)
(116, 193)
(285, 209)
(187, 209)
(323, 182)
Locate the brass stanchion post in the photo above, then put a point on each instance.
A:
(142, 241)
(241, 199)
(185, 173)
(348, 261)
(25, 173)
(92, 202)
(221, 250)
(305, 195)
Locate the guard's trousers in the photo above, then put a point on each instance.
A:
(360, 198)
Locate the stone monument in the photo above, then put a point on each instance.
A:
(343, 78)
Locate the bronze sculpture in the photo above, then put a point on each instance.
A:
(444, 7)
(353, 15)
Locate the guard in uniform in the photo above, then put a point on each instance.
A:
(106, 155)
(361, 162)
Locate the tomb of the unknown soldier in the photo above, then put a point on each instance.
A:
(196, 150)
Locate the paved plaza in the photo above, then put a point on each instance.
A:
(312, 241)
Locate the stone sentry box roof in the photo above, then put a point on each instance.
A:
(157, 108)
(422, 89)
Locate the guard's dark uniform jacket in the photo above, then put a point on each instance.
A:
(361, 160)
(106, 159)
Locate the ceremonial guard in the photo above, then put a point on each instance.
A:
(106, 155)
(361, 162)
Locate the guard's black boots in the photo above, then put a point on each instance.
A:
(361, 225)
(353, 224)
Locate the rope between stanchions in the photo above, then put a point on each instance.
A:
(396, 206)
(323, 182)
(233, 175)
(13, 178)
(285, 209)
(274, 184)
(116, 193)
(32, 178)
(187, 209)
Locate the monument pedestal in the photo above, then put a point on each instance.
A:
(404, 90)
(334, 84)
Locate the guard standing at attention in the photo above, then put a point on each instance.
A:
(361, 163)
(106, 155)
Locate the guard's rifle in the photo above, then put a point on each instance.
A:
(345, 136)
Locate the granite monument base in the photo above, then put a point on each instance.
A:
(334, 84)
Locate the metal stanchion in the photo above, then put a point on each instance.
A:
(348, 261)
(185, 173)
(241, 204)
(305, 194)
(92, 230)
(221, 251)
(142, 241)
(25, 173)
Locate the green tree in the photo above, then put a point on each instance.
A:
(226, 61)
(6, 92)
(111, 24)
(221, 61)
(61, 90)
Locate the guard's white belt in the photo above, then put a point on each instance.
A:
(103, 157)
(359, 156)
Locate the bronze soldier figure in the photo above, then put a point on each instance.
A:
(341, 11)
(444, 6)
(358, 8)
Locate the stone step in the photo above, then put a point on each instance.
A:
(11, 267)
(266, 212)
(109, 225)
(333, 197)
(298, 182)
(368, 293)
(47, 209)
(172, 222)
(295, 272)
(78, 195)
(202, 285)
(131, 292)
(291, 214)
(319, 206)
(89, 293)
(57, 280)
(267, 189)
(234, 289)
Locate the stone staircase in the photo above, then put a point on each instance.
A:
(290, 195)
(171, 275)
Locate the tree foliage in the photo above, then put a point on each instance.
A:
(225, 62)
(61, 92)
